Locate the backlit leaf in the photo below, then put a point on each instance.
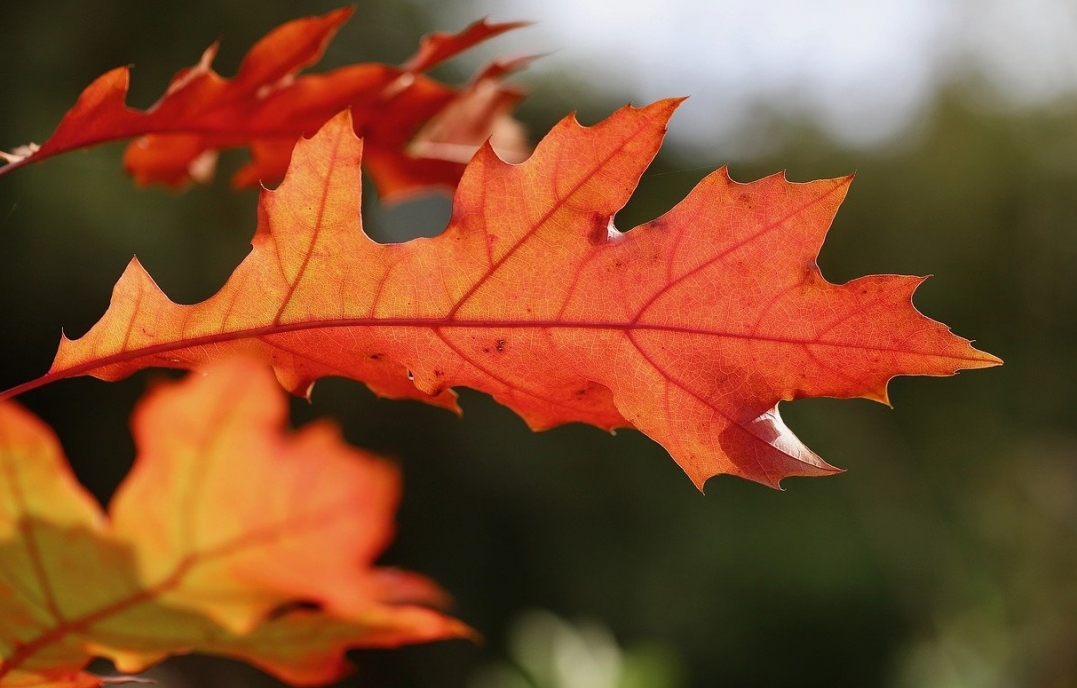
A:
(690, 328)
(229, 536)
(266, 107)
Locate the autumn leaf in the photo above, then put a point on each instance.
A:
(690, 328)
(267, 107)
(229, 536)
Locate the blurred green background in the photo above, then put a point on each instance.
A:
(945, 557)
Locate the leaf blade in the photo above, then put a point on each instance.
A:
(223, 524)
(267, 106)
(691, 328)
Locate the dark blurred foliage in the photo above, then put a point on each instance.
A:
(945, 556)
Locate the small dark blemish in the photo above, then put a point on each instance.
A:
(411, 376)
(599, 233)
(375, 357)
(439, 373)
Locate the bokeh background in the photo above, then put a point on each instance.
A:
(946, 557)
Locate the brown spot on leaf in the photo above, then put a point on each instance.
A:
(599, 232)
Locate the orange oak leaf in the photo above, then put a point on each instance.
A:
(229, 536)
(690, 328)
(267, 107)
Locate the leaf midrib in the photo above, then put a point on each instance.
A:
(439, 324)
